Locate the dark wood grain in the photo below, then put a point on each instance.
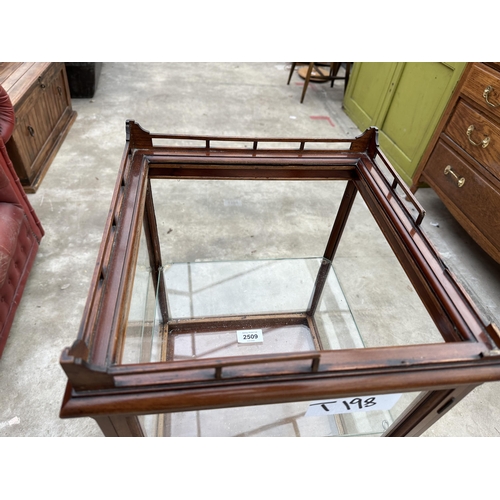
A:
(42, 103)
(99, 386)
(475, 204)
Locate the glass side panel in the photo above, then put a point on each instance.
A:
(142, 342)
(227, 220)
(275, 340)
(238, 289)
(334, 320)
(383, 301)
(363, 309)
(276, 420)
(207, 289)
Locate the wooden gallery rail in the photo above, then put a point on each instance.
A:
(117, 395)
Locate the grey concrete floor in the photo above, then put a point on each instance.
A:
(247, 99)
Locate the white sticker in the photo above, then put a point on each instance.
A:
(232, 203)
(352, 404)
(248, 336)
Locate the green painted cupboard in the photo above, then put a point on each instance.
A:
(405, 102)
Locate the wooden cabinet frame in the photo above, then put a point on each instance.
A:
(467, 140)
(116, 394)
(40, 95)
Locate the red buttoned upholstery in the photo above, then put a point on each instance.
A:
(7, 117)
(20, 230)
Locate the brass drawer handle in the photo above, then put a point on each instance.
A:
(486, 95)
(460, 180)
(484, 143)
(31, 130)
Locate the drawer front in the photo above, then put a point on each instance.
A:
(483, 87)
(56, 97)
(30, 91)
(478, 200)
(25, 145)
(37, 87)
(477, 135)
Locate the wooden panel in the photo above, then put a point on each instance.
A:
(481, 77)
(42, 104)
(486, 134)
(478, 211)
(19, 80)
(7, 69)
(35, 134)
(368, 87)
(419, 99)
(418, 93)
(57, 100)
(405, 101)
(476, 204)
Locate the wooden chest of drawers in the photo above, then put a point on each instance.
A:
(40, 95)
(462, 161)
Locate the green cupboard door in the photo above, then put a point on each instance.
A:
(368, 88)
(419, 98)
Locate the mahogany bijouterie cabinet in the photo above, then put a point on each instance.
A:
(192, 343)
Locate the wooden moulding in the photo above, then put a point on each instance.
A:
(102, 388)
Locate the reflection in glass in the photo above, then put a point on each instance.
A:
(276, 420)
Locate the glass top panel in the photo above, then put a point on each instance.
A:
(361, 299)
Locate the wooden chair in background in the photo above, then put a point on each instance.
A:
(317, 72)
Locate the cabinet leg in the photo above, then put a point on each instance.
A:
(426, 410)
(120, 426)
(153, 243)
(332, 245)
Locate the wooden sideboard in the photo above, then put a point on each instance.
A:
(462, 160)
(41, 98)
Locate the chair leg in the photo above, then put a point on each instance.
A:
(347, 73)
(306, 83)
(334, 71)
(291, 72)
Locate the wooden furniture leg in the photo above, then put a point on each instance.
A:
(426, 410)
(332, 245)
(292, 69)
(306, 83)
(120, 426)
(153, 242)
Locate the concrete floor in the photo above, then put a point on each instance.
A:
(73, 201)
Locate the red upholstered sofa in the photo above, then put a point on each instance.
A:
(20, 228)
